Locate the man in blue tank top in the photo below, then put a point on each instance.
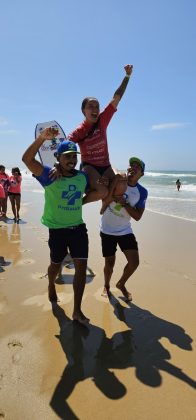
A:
(116, 227)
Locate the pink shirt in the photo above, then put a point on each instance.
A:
(4, 181)
(15, 186)
(2, 192)
(94, 148)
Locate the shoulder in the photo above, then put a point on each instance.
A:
(143, 191)
(109, 109)
(81, 174)
(77, 132)
(44, 177)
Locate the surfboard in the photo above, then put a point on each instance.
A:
(49, 147)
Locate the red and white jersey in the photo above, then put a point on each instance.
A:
(94, 146)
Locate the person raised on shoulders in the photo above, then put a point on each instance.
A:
(91, 136)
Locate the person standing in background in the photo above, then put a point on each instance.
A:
(2, 200)
(5, 182)
(178, 184)
(14, 192)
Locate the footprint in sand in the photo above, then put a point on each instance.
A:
(26, 262)
(43, 302)
(3, 303)
(15, 345)
(2, 414)
(25, 250)
(1, 382)
(146, 263)
(38, 276)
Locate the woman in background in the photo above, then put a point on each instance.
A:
(2, 201)
(15, 193)
(5, 182)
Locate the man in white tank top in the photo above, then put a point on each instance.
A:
(116, 228)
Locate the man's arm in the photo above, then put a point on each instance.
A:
(121, 90)
(134, 212)
(29, 156)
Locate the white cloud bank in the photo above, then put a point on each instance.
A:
(167, 126)
(5, 132)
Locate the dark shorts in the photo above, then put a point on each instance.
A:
(14, 194)
(110, 242)
(75, 239)
(99, 169)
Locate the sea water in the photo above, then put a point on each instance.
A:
(163, 196)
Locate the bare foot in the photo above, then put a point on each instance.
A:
(80, 317)
(124, 291)
(52, 296)
(106, 292)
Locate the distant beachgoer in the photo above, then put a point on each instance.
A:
(63, 215)
(5, 182)
(91, 136)
(178, 184)
(14, 193)
(116, 228)
(2, 201)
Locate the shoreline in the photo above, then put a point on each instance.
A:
(171, 215)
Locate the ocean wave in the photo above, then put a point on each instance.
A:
(189, 187)
(192, 200)
(169, 174)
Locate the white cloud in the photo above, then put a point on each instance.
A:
(3, 121)
(167, 126)
(5, 132)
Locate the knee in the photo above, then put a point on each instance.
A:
(136, 263)
(109, 264)
(133, 265)
(54, 268)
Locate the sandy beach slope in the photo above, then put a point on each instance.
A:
(134, 361)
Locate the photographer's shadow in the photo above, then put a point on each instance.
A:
(149, 357)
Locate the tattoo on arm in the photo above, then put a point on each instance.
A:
(121, 90)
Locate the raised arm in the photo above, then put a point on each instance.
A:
(121, 90)
(29, 156)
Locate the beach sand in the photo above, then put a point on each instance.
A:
(135, 361)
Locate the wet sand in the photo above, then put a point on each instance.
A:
(134, 360)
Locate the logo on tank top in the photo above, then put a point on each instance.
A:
(71, 195)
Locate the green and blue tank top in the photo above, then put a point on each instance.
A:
(63, 199)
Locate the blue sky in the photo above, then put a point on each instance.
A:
(55, 52)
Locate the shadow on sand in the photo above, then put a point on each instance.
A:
(90, 354)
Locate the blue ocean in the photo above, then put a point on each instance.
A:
(163, 196)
